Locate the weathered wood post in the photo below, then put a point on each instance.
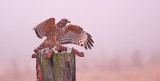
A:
(60, 67)
(54, 66)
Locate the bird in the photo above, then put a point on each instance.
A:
(58, 34)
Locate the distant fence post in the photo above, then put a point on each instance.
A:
(60, 67)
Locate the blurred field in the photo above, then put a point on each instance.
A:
(149, 73)
(134, 70)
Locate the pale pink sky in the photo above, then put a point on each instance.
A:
(116, 25)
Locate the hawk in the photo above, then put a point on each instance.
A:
(60, 34)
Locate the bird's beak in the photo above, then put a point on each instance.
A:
(69, 21)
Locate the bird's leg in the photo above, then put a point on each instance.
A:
(39, 48)
(48, 42)
(59, 47)
(50, 52)
(63, 48)
(48, 55)
(81, 54)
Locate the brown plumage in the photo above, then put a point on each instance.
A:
(59, 34)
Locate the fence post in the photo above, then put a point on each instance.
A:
(60, 67)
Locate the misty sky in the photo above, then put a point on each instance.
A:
(117, 26)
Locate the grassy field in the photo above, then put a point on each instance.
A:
(146, 73)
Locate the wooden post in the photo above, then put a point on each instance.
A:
(60, 67)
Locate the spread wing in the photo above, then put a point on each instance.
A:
(75, 35)
(45, 28)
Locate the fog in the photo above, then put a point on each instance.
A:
(126, 35)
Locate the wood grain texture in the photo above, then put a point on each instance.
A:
(60, 67)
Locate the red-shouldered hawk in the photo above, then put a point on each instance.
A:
(59, 34)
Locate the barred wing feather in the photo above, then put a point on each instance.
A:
(75, 35)
(45, 28)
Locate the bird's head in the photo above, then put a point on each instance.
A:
(63, 22)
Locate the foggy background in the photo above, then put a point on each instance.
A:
(126, 35)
